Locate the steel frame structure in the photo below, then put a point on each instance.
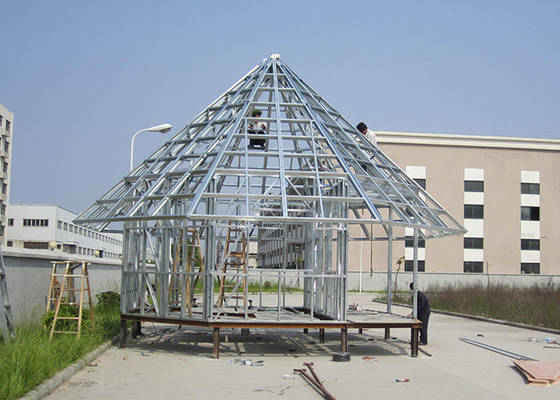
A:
(293, 198)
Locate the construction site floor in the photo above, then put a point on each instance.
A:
(168, 362)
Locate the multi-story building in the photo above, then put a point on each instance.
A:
(49, 229)
(6, 128)
(504, 190)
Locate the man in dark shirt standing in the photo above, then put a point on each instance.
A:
(423, 314)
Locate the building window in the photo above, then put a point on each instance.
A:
(530, 213)
(409, 265)
(530, 244)
(409, 242)
(530, 268)
(5, 167)
(421, 182)
(474, 211)
(4, 188)
(8, 125)
(36, 245)
(66, 226)
(530, 188)
(9, 243)
(473, 266)
(10, 222)
(59, 224)
(474, 186)
(35, 222)
(473, 243)
(6, 146)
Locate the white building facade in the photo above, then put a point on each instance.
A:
(6, 128)
(49, 228)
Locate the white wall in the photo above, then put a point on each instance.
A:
(28, 284)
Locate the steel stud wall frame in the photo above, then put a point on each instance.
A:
(291, 202)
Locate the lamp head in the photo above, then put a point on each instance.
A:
(163, 128)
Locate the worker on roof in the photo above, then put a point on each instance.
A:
(256, 126)
(368, 133)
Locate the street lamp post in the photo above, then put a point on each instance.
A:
(163, 128)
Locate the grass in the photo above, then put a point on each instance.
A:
(30, 358)
(536, 305)
(253, 287)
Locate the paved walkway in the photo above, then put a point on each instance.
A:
(175, 364)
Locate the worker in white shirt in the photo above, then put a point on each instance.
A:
(256, 127)
(370, 135)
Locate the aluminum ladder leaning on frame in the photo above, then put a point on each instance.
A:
(5, 307)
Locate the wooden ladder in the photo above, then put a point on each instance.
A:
(234, 259)
(6, 322)
(63, 293)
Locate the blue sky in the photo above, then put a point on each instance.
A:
(82, 77)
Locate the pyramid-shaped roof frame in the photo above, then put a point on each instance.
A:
(298, 161)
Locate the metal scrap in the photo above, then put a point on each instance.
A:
(314, 380)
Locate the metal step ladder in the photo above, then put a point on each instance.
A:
(5, 308)
(63, 293)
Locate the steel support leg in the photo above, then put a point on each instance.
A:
(136, 329)
(344, 340)
(216, 340)
(305, 330)
(387, 333)
(414, 342)
(322, 335)
(123, 334)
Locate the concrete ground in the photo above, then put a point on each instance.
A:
(176, 363)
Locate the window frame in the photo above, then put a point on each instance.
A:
(409, 265)
(529, 213)
(473, 186)
(530, 188)
(473, 243)
(473, 211)
(472, 265)
(531, 244)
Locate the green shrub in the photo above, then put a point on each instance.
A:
(108, 300)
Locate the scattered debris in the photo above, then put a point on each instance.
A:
(144, 354)
(355, 307)
(249, 363)
(288, 376)
(402, 380)
(539, 372)
(424, 351)
(497, 350)
(479, 335)
(314, 380)
(125, 358)
(368, 358)
(341, 356)
(92, 365)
